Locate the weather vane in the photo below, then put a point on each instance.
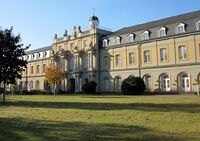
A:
(93, 11)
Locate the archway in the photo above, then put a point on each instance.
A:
(164, 82)
(117, 84)
(37, 85)
(46, 86)
(31, 85)
(71, 85)
(147, 81)
(183, 82)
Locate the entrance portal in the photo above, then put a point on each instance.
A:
(71, 85)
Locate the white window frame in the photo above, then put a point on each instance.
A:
(181, 25)
(105, 42)
(117, 40)
(131, 56)
(163, 54)
(117, 60)
(72, 45)
(131, 38)
(162, 30)
(85, 44)
(182, 52)
(147, 56)
(198, 25)
(145, 35)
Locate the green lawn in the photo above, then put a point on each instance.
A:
(85, 117)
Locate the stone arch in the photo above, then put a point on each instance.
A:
(117, 83)
(183, 82)
(164, 82)
(37, 85)
(148, 81)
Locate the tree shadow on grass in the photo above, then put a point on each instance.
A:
(17, 129)
(164, 107)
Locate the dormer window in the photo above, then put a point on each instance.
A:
(105, 42)
(117, 40)
(44, 54)
(33, 56)
(131, 37)
(145, 35)
(162, 32)
(180, 28)
(198, 25)
(38, 55)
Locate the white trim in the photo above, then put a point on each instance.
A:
(180, 25)
(197, 25)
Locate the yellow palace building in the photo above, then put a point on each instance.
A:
(165, 53)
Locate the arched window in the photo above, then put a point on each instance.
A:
(106, 83)
(117, 82)
(37, 85)
(105, 42)
(164, 81)
(147, 81)
(183, 82)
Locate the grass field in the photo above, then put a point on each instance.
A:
(85, 117)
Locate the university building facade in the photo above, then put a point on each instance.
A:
(165, 53)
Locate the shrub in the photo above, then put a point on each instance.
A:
(133, 85)
(89, 87)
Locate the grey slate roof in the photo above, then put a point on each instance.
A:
(189, 19)
(39, 50)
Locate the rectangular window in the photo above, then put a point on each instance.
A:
(106, 83)
(145, 36)
(131, 38)
(31, 69)
(85, 62)
(198, 25)
(163, 54)
(180, 29)
(85, 43)
(106, 63)
(38, 69)
(105, 43)
(44, 68)
(118, 60)
(199, 51)
(131, 58)
(72, 45)
(162, 33)
(182, 52)
(146, 56)
(117, 40)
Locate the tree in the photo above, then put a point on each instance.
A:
(133, 85)
(89, 87)
(54, 76)
(11, 63)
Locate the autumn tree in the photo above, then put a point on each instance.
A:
(54, 76)
(11, 64)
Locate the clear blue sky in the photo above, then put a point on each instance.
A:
(38, 20)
